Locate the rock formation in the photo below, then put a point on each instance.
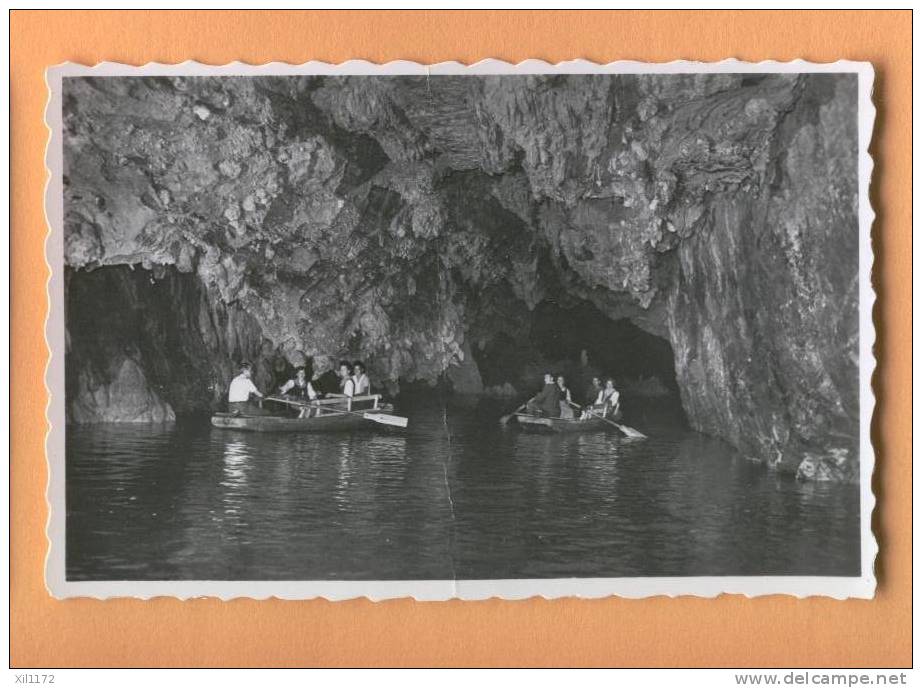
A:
(402, 219)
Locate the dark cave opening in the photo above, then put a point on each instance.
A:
(580, 342)
(616, 347)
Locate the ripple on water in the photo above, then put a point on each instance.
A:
(186, 501)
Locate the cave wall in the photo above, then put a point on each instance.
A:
(401, 219)
(146, 345)
(763, 311)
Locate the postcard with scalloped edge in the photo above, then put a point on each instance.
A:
(455, 331)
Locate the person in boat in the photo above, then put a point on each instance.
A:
(346, 383)
(360, 378)
(547, 401)
(362, 386)
(566, 400)
(607, 403)
(592, 391)
(238, 394)
(611, 398)
(299, 388)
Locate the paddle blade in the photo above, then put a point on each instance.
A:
(386, 419)
(504, 420)
(631, 432)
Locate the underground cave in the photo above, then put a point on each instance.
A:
(691, 236)
(418, 226)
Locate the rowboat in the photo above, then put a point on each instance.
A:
(332, 422)
(546, 424)
(327, 415)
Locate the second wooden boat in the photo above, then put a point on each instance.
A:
(546, 424)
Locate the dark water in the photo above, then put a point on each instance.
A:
(186, 501)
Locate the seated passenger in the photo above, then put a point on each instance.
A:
(299, 388)
(346, 383)
(610, 397)
(547, 401)
(362, 386)
(592, 391)
(607, 404)
(360, 377)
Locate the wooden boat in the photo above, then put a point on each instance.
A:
(328, 415)
(546, 424)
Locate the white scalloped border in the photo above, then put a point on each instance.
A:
(862, 586)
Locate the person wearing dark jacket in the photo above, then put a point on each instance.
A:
(592, 391)
(547, 401)
(299, 387)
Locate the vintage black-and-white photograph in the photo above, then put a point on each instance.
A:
(460, 329)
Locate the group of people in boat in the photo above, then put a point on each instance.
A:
(556, 401)
(352, 377)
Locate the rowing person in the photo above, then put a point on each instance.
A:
(299, 388)
(238, 395)
(566, 401)
(547, 401)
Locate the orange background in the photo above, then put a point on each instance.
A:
(729, 631)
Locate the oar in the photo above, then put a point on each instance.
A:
(370, 414)
(504, 420)
(285, 401)
(383, 418)
(626, 429)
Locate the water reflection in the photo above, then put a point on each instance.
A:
(189, 501)
(344, 475)
(236, 466)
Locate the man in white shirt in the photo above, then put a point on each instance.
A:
(241, 387)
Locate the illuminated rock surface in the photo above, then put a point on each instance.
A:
(406, 222)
